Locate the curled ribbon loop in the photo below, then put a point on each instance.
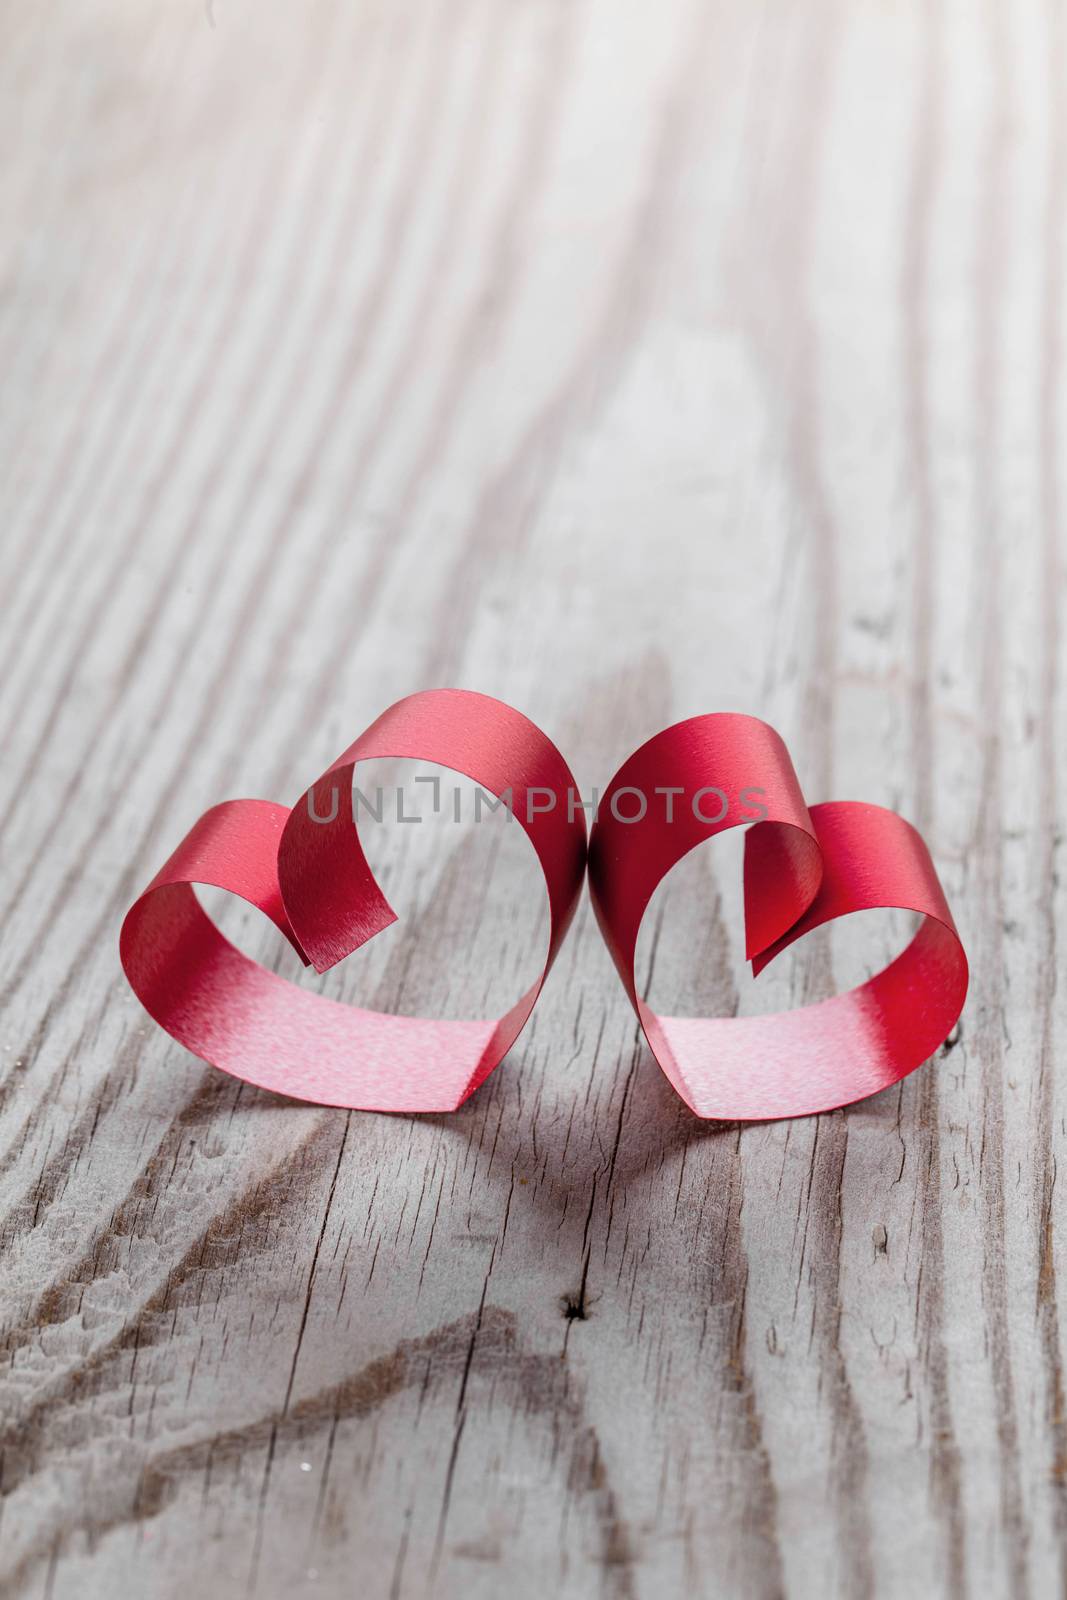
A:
(312, 879)
(802, 869)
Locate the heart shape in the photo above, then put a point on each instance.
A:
(305, 869)
(312, 879)
(802, 869)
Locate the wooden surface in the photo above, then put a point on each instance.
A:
(625, 362)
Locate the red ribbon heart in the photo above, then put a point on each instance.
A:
(306, 870)
(802, 869)
(312, 880)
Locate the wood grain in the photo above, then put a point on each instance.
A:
(624, 362)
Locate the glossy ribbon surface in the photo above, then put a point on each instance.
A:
(312, 879)
(803, 868)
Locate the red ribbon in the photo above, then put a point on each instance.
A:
(802, 869)
(311, 878)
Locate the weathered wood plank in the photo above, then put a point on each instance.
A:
(626, 363)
